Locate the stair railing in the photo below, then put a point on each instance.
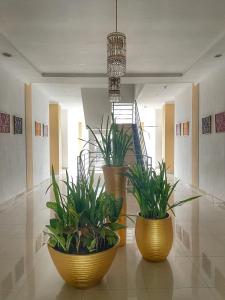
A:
(137, 121)
(126, 113)
(87, 161)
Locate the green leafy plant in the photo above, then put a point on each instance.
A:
(153, 191)
(85, 218)
(114, 142)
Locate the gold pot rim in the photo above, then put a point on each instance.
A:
(168, 216)
(88, 254)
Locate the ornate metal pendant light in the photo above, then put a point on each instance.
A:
(114, 89)
(116, 53)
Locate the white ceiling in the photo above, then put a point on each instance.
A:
(163, 36)
(154, 95)
(67, 94)
(70, 36)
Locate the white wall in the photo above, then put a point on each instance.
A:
(12, 147)
(212, 146)
(64, 131)
(41, 162)
(75, 115)
(127, 92)
(147, 115)
(183, 144)
(96, 103)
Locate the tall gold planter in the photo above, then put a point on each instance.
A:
(154, 237)
(116, 184)
(83, 271)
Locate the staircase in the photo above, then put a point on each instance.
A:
(137, 144)
(125, 115)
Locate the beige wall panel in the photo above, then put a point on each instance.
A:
(168, 136)
(55, 137)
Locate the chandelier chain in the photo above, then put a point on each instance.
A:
(116, 15)
(116, 59)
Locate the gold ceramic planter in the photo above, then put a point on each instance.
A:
(154, 237)
(116, 184)
(83, 271)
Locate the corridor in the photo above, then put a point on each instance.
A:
(195, 268)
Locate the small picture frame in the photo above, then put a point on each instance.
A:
(178, 129)
(207, 125)
(18, 125)
(220, 122)
(186, 128)
(4, 123)
(45, 130)
(37, 129)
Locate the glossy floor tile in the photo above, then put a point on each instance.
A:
(195, 268)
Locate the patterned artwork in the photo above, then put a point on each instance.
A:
(178, 129)
(4, 123)
(37, 129)
(18, 125)
(45, 130)
(220, 122)
(207, 125)
(186, 128)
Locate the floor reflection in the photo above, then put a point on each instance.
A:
(220, 283)
(195, 268)
(156, 275)
(7, 284)
(19, 269)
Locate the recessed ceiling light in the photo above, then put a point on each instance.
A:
(7, 54)
(218, 55)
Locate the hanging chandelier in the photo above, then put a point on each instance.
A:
(114, 89)
(116, 53)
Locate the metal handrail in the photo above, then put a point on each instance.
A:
(87, 159)
(134, 118)
(140, 130)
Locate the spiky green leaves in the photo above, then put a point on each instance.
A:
(153, 191)
(113, 142)
(85, 218)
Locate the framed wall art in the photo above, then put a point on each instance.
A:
(186, 128)
(178, 129)
(45, 130)
(4, 123)
(220, 122)
(207, 125)
(37, 129)
(18, 125)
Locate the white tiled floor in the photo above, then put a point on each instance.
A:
(195, 268)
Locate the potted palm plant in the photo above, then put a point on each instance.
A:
(82, 235)
(114, 142)
(153, 230)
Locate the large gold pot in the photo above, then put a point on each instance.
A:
(83, 271)
(154, 237)
(116, 184)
